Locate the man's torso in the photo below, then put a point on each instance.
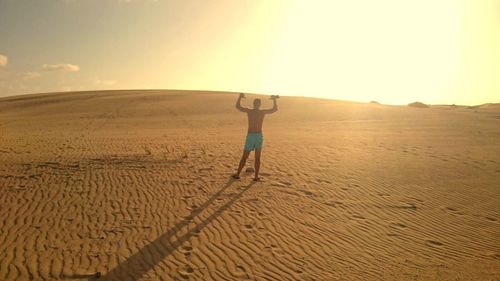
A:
(255, 120)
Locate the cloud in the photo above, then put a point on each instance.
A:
(61, 67)
(32, 74)
(45, 78)
(105, 82)
(50, 68)
(3, 60)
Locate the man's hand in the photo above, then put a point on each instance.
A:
(275, 105)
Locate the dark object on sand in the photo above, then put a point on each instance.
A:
(418, 104)
(275, 96)
(249, 170)
(90, 276)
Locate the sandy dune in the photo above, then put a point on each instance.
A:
(135, 185)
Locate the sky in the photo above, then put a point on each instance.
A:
(390, 51)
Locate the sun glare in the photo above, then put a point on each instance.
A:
(394, 52)
(369, 52)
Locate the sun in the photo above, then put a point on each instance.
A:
(379, 51)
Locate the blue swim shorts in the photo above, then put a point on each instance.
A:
(254, 141)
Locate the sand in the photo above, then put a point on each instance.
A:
(134, 185)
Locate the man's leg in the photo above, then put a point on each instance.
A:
(257, 163)
(242, 163)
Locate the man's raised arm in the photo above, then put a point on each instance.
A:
(274, 108)
(238, 103)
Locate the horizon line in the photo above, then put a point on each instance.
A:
(237, 92)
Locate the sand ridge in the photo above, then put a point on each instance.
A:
(135, 185)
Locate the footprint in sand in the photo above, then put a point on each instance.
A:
(186, 271)
(398, 225)
(417, 199)
(307, 192)
(274, 249)
(334, 203)
(241, 272)
(192, 207)
(322, 180)
(248, 227)
(186, 250)
(433, 243)
(18, 188)
(408, 206)
(454, 211)
(286, 183)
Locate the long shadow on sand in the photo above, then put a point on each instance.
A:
(137, 265)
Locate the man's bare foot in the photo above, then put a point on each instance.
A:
(256, 179)
(236, 176)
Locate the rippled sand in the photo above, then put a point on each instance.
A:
(134, 185)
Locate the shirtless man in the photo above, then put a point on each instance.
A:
(254, 137)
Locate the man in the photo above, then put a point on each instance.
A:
(254, 137)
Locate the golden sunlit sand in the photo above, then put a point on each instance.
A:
(135, 185)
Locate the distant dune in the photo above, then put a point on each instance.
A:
(134, 185)
(494, 106)
(418, 104)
